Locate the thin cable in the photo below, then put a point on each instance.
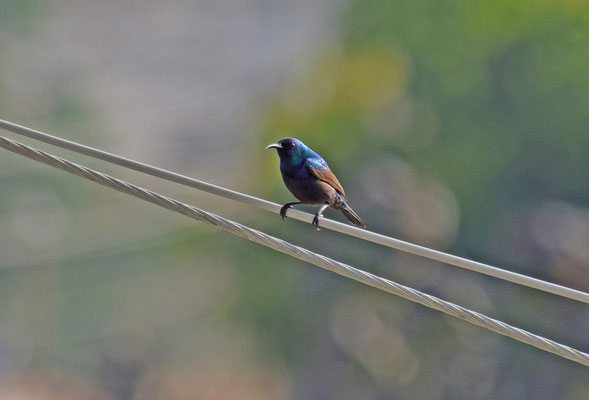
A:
(303, 216)
(302, 253)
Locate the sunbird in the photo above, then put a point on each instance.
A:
(309, 179)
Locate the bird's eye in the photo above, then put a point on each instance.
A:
(291, 145)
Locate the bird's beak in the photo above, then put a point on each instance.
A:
(274, 146)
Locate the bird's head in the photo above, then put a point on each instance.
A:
(290, 149)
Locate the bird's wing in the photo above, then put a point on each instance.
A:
(319, 169)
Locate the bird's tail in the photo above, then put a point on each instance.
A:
(352, 216)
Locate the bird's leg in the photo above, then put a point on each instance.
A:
(318, 215)
(286, 207)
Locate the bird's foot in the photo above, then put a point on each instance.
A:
(316, 220)
(319, 215)
(283, 210)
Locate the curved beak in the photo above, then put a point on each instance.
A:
(273, 146)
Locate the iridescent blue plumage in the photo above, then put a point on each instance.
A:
(317, 162)
(308, 177)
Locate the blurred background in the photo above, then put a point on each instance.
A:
(459, 125)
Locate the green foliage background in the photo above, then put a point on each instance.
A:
(460, 125)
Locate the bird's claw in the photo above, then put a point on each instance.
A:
(316, 221)
(283, 210)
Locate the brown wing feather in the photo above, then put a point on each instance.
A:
(328, 177)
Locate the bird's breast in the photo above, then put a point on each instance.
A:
(295, 171)
(305, 186)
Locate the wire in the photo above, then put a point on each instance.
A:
(302, 216)
(302, 253)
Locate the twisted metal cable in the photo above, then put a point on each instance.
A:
(346, 229)
(302, 253)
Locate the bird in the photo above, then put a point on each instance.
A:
(309, 179)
